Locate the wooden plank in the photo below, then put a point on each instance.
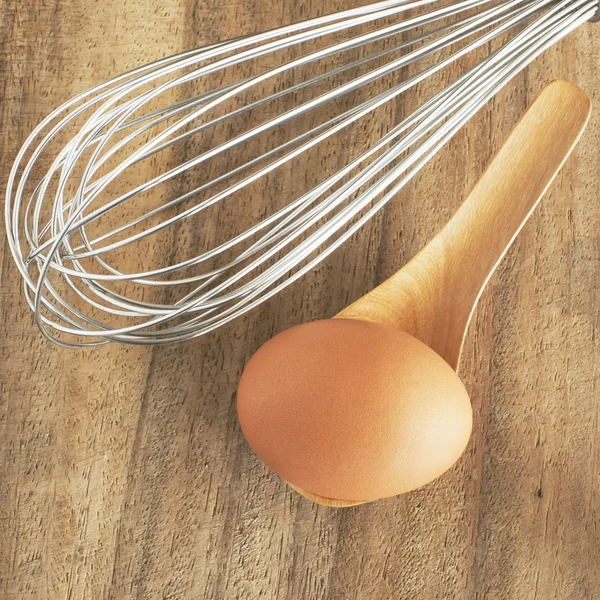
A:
(123, 472)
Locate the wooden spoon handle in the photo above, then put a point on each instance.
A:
(434, 296)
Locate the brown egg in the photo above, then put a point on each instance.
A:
(352, 410)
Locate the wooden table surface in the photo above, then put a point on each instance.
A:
(123, 472)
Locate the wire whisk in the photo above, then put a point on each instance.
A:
(116, 202)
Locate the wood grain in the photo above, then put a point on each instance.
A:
(123, 472)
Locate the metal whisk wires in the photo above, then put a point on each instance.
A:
(108, 190)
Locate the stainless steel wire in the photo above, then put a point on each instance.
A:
(121, 172)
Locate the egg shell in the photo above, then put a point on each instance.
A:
(353, 410)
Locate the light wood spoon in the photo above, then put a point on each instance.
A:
(434, 296)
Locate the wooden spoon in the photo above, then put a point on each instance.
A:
(434, 296)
